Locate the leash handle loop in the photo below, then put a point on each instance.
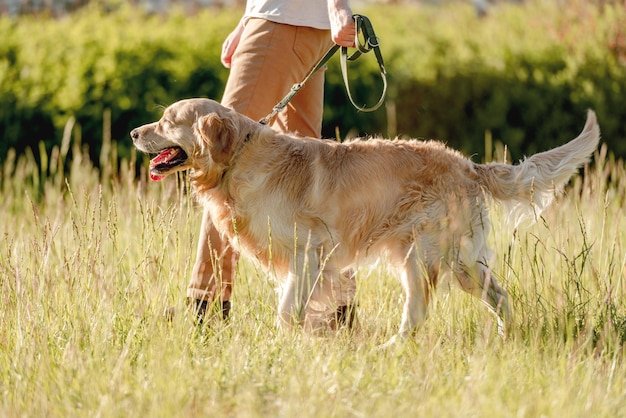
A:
(370, 42)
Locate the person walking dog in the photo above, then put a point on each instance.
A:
(275, 44)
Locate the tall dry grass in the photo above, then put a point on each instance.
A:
(89, 260)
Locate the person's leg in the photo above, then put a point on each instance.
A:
(213, 272)
(303, 115)
(269, 60)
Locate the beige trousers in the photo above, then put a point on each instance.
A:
(268, 61)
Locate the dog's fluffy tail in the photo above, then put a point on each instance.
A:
(529, 187)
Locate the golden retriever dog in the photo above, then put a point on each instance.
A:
(309, 209)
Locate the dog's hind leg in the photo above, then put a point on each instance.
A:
(478, 281)
(418, 280)
(333, 299)
(417, 293)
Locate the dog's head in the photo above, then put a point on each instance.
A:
(192, 133)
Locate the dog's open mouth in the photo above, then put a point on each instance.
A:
(166, 161)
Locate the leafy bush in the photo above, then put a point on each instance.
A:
(524, 75)
(92, 62)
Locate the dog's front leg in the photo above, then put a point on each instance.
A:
(297, 289)
(289, 310)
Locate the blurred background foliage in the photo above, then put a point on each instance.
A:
(523, 74)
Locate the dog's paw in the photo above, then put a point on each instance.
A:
(396, 344)
(169, 313)
(391, 343)
(504, 329)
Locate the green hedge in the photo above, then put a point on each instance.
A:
(92, 62)
(525, 74)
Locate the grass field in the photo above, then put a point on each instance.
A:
(89, 261)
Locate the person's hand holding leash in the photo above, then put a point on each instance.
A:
(342, 28)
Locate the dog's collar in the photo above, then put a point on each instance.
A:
(236, 154)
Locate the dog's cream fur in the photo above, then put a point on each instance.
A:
(308, 209)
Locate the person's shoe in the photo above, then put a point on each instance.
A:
(225, 310)
(345, 316)
(200, 308)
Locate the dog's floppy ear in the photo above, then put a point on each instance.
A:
(218, 133)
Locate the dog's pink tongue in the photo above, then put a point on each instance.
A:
(156, 177)
(164, 156)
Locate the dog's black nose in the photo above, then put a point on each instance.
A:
(134, 134)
